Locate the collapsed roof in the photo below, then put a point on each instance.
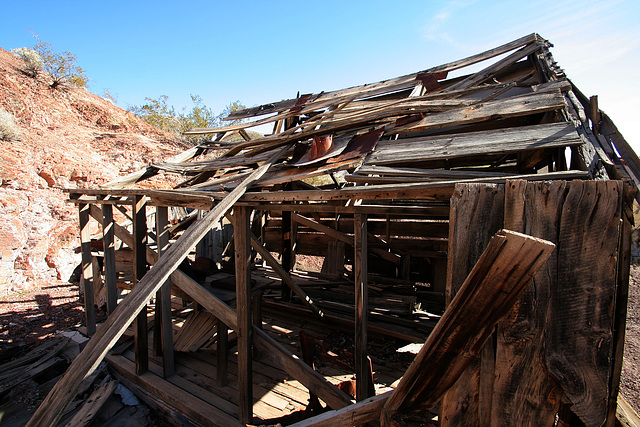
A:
(416, 134)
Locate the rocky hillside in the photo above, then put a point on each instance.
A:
(67, 137)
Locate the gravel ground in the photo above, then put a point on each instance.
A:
(32, 315)
(630, 382)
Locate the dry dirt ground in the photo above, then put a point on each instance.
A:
(630, 382)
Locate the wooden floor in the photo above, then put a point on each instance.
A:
(193, 390)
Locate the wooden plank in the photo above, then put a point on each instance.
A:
(501, 141)
(404, 82)
(193, 407)
(139, 270)
(87, 270)
(422, 190)
(360, 270)
(360, 413)
(244, 326)
(477, 213)
(483, 75)
(493, 286)
(92, 405)
(164, 294)
(621, 301)
(63, 392)
(110, 275)
(557, 344)
(516, 106)
(149, 171)
(625, 413)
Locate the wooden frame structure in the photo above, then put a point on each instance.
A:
(419, 173)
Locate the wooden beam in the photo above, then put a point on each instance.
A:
(141, 344)
(244, 327)
(360, 413)
(87, 270)
(493, 286)
(49, 412)
(361, 306)
(163, 297)
(108, 243)
(501, 141)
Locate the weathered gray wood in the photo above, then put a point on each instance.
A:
(404, 82)
(164, 294)
(110, 275)
(504, 108)
(493, 286)
(115, 325)
(244, 327)
(360, 270)
(87, 270)
(151, 170)
(483, 75)
(141, 344)
(502, 141)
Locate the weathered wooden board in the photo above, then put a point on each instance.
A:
(488, 293)
(477, 212)
(502, 141)
(557, 343)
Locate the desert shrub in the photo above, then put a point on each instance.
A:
(32, 60)
(158, 113)
(8, 128)
(60, 67)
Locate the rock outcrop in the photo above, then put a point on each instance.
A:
(68, 137)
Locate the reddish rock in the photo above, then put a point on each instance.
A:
(69, 138)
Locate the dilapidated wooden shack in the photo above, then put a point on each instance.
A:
(483, 216)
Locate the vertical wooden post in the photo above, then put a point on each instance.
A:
(110, 276)
(87, 269)
(163, 298)
(286, 252)
(242, 242)
(361, 284)
(139, 269)
(222, 343)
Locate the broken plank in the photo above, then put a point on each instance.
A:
(490, 290)
(501, 141)
(92, 405)
(516, 106)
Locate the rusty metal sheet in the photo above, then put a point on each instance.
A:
(359, 146)
(300, 102)
(430, 80)
(321, 149)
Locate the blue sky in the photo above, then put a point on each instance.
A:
(263, 51)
